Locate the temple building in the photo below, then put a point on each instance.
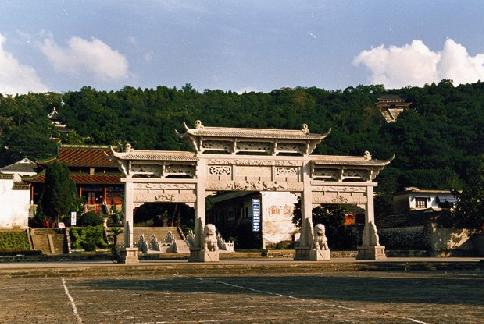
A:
(391, 106)
(96, 176)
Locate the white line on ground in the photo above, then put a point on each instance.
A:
(314, 301)
(74, 308)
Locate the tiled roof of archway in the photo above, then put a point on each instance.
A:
(254, 133)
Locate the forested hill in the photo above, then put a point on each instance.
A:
(436, 143)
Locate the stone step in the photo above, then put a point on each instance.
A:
(48, 240)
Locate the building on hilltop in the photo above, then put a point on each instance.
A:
(95, 175)
(391, 106)
(24, 167)
(415, 199)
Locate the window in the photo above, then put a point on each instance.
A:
(421, 202)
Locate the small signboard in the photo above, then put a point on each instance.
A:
(73, 218)
(255, 211)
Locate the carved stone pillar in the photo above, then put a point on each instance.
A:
(130, 254)
(306, 238)
(197, 253)
(370, 248)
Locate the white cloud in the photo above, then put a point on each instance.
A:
(82, 55)
(415, 64)
(16, 77)
(148, 56)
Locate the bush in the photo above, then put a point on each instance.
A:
(90, 219)
(10, 241)
(89, 246)
(88, 238)
(283, 245)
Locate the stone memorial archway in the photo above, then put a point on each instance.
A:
(240, 159)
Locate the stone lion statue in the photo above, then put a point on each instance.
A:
(320, 242)
(210, 238)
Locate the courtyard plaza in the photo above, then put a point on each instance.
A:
(398, 290)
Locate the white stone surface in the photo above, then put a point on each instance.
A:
(277, 212)
(14, 205)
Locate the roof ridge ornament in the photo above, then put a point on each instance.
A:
(198, 124)
(305, 128)
(367, 155)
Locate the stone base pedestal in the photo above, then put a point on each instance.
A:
(319, 255)
(202, 255)
(304, 254)
(129, 256)
(371, 253)
(301, 254)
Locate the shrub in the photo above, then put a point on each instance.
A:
(10, 241)
(90, 219)
(89, 246)
(88, 238)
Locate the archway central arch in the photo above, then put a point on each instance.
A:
(241, 159)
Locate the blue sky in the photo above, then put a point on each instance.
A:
(237, 45)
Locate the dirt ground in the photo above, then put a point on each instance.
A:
(354, 297)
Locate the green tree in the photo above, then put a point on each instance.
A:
(469, 208)
(59, 195)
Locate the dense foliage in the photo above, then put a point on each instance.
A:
(90, 219)
(469, 209)
(59, 194)
(88, 238)
(14, 241)
(435, 142)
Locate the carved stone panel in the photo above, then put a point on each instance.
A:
(241, 185)
(253, 172)
(165, 186)
(291, 147)
(220, 170)
(326, 174)
(174, 196)
(339, 198)
(348, 188)
(214, 145)
(240, 161)
(180, 169)
(358, 174)
(287, 171)
(254, 147)
(146, 170)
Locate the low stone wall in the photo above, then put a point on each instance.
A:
(437, 240)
